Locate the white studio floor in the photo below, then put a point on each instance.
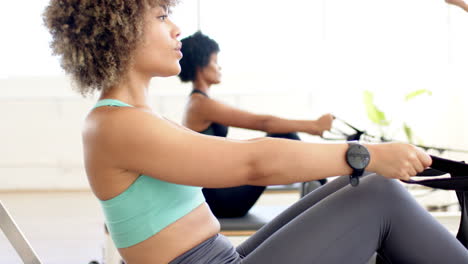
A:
(62, 227)
(67, 227)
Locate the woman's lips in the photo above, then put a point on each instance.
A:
(178, 48)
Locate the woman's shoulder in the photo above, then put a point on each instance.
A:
(198, 102)
(109, 122)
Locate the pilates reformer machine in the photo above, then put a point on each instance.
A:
(17, 238)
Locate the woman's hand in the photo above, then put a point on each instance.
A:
(324, 123)
(459, 3)
(397, 160)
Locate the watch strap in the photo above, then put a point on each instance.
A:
(354, 176)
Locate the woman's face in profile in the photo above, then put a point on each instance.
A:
(159, 51)
(212, 72)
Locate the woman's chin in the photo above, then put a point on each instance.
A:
(170, 72)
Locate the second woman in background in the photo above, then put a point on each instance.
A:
(211, 117)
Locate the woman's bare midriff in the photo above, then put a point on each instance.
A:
(174, 240)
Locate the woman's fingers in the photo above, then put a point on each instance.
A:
(425, 158)
(410, 172)
(417, 161)
(325, 123)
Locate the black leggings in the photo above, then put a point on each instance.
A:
(338, 223)
(237, 201)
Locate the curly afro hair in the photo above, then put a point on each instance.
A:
(197, 50)
(95, 39)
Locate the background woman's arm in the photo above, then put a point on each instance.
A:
(211, 110)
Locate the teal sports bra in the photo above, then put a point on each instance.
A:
(147, 206)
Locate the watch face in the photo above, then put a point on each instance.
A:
(358, 156)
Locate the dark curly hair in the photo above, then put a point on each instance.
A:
(197, 50)
(96, 38)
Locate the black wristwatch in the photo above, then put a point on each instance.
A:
(357, 157)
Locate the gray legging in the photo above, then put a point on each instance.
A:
(338, 223)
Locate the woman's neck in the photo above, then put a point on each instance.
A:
(133, 91)
(201, 86)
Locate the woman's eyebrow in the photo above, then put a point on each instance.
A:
(165, 8)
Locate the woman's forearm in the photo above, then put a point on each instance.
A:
(274, 124)
(296, 161)
(277, 161)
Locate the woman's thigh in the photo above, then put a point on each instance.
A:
(292, 212)
(352, 223)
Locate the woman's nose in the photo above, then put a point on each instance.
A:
(176, 31)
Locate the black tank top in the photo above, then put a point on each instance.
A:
(215, 129)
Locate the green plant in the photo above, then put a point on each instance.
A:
(378, 117)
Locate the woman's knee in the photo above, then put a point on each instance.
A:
(376, 197)
(380, 187)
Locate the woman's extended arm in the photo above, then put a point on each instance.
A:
(211, 110)
(133, 140)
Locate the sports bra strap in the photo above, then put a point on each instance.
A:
(198, 91)
(111, 102)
